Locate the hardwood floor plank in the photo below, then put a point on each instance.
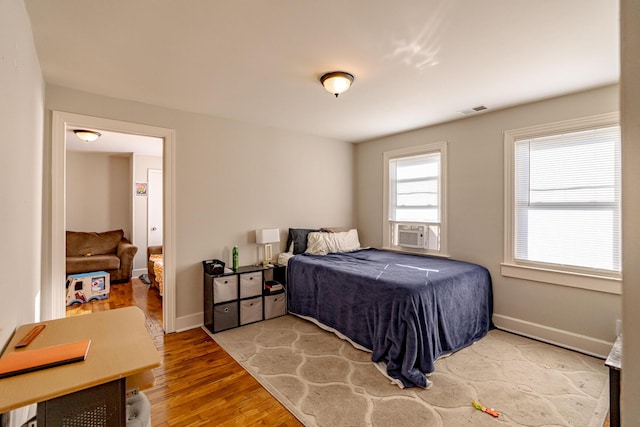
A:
(198, 383)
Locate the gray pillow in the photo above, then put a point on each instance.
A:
(298, 236)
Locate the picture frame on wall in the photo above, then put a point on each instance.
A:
(141, 188)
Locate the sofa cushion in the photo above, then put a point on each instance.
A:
(80, 243)
(83, 264)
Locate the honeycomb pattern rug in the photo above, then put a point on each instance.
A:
(324, 381)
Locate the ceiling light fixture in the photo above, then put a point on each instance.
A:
(87, 135)
(336, 82)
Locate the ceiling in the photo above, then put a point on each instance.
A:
(415, 62)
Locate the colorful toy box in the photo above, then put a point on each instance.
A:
(86, 287)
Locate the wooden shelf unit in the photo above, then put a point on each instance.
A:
(240, 297)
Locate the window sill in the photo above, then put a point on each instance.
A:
(609, 285)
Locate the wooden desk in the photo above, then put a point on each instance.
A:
(614, 362)
(120, 347)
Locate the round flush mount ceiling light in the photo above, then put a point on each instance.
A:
(336, 82)
(87, 135)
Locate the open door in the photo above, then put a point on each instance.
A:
(154, 208)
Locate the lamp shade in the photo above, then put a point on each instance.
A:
(267, 235)
(336, 82)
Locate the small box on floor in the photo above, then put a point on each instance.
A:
(86, 287)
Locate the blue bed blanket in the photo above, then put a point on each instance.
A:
(407, 309)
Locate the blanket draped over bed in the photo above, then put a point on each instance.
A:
(407, 309)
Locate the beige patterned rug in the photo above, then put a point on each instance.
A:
(325, 381)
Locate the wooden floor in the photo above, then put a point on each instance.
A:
(198, 384)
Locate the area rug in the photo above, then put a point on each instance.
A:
(324, 381)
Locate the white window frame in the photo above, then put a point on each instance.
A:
(437, 147)
(529, 271)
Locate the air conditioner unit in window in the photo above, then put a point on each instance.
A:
(412, 236)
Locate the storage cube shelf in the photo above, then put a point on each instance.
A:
(239, 298)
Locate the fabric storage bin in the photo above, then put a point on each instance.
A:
(250, 284)
(250, 310)
(225, 316)
(225, 288)
(275, 305)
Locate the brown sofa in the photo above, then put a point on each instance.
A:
(152, 250)
(109, 251)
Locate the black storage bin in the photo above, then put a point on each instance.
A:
(213, 266)
(225, 316)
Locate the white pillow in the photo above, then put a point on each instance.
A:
(320, 243)
(284, 257)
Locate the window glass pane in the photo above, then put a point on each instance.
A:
(567, 199)
(414, 188)
(581, 238)
(567, 169)
(418, 167)
(417, 214)
(420, 199)
(408, 187)
(417, 193)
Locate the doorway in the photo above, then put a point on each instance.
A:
(54, 273)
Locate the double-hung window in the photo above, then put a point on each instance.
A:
(563, 201)
(415, 202)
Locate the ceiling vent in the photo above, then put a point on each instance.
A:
(473, 110)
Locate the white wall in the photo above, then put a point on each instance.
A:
(98, 192)
(574, 316)
(141, 166)
(232, 178)
(21, 117)
(21, 137)
(630, 105)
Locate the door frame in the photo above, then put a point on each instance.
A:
(53, 297)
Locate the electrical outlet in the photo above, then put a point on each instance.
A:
(132, 392)
(618, 327)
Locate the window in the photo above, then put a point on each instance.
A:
(563, 197)
(415, 203)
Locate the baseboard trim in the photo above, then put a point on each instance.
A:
(569, 340)
(138, 271)
(184, 323)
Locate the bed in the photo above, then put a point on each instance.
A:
(408, 310)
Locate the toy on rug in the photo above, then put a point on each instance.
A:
(489, 411)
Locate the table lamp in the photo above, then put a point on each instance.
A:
(265, 237)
